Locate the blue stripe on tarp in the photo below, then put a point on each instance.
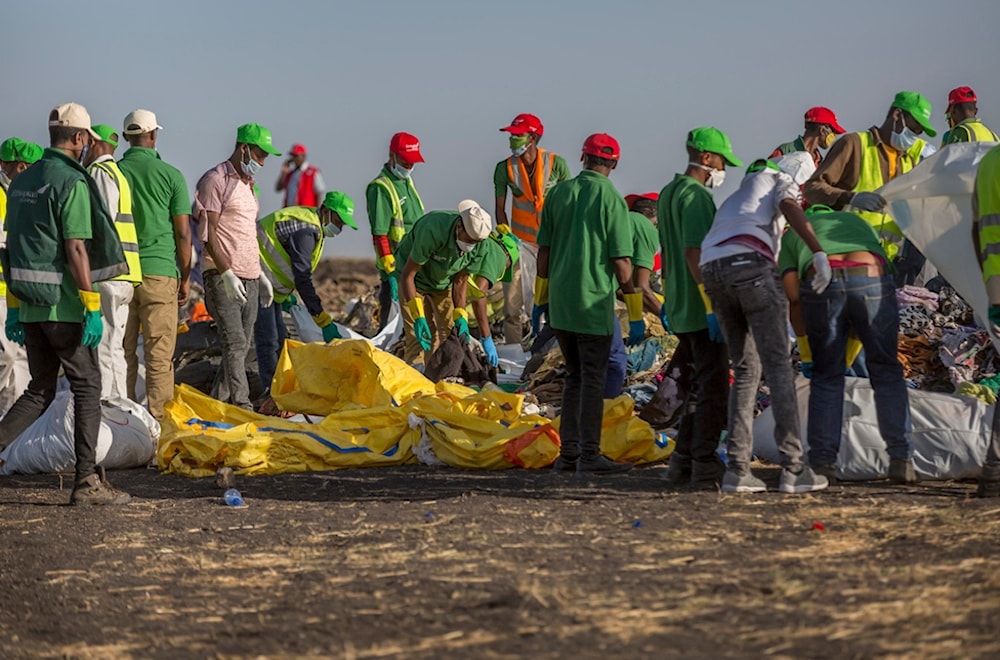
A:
(332, 445)
(211, 425)
(662, 440)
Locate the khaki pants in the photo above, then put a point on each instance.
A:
(438, 309)
(115, 299)
(154, 310)
(519, 293)
(14, 376)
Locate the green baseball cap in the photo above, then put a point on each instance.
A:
(918, 107)
(16, 150)
(711, 139)
(256, 135)
(105, 132)
(342, 205)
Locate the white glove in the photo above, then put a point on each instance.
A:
(265, 292)
(868, 201)
(821, 264)
(235, 289)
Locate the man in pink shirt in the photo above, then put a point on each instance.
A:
(226, 207)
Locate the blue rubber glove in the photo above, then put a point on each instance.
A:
(393, 287)
(636, 332)
(422, 331)
(663, 318)
(536, 317)
(806, 368)
(714, 330)
(13, 327)
(331, 332)
(491, 351)
(290, 302)
(93, 329)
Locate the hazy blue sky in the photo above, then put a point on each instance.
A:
(342, 77)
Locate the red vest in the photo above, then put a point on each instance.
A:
(306, 193)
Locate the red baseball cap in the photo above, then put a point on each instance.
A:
(961, 95)
(407, 147)
(602, 145)
(297, 149)
(821, 115)
(525, 123)
(631, 199)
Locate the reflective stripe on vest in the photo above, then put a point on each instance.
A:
(977, 131)
(870, 179)
(988, 210)
(526, 208)
(276, 260)
(397, 229)
(124, 222)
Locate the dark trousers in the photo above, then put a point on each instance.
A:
(384, 303)
(51, 345)
(991, 467)
(269, 334)
(583, 393)
(704, 375)
(909, 263)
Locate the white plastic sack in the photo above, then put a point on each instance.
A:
(127, 439)
(932, 204)
(310, 332)
(512, 360)
(949, 433)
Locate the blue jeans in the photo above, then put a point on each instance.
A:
(617, 365)
(868, 305)
(269, 336)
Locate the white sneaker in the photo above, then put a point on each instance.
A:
(805, 481)
(742, 483)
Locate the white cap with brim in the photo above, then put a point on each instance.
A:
(72, 115)
(475, 219)
(140, 121)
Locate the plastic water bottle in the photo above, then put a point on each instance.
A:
(232, 497)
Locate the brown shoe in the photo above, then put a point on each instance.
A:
(95, 489)
(901, 471)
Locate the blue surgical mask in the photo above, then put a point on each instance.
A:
(251, 167)
(903, 140)
(402, 172)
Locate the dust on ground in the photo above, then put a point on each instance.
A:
(418, 562)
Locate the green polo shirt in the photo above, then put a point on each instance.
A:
(74, 222)
(431, 244)
(839, 233)
(585, 225)
(685, 212)
(645, 242)
(501, 182)
(159, 193)
(492, 262)
(380, 205)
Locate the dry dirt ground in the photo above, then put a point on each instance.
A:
(416, 562)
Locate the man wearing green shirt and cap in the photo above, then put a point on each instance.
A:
(499, 259)
(15, 157)
(686, 211)
(291, 244)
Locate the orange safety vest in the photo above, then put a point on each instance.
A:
(526, 208)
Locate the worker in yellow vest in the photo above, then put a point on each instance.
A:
(116, 294)
(986, 235)
(963, 122)
(860, 163)
(393, 206)
(15, 157)
(529, 173)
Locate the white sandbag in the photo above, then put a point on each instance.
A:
(127, 439)
(309, 332)
(932, 204)
(949, 433)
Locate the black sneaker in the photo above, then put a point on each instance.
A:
(828, 471)
(96, 490)
(707, 475)
(564, 465)
(601, 465)
(989, 482)
(679, 472)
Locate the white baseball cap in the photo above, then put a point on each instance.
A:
(140, 121)
(475, 219)
(72, 115)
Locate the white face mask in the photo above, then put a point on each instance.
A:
(402, 172)
(251, 167)
(331, 230)
(715, 177)
(904, 140)
(464, 247)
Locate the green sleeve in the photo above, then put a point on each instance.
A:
(955, 135)
(379, 209)
(697, 210)
(645, 243)
(560, 170)
(544, 237)
(180, 200)
(500, 179)
(75, 216)
(788, 257)
(619, 226)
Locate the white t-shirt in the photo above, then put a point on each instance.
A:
(753, 211)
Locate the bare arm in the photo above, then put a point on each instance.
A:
(182, 239)
(460, 290)
(213, 227)
(479, 309)
(78, 262)
(282, 175)
(623, 273)
(790, 281)
(408, 284)
(692, 256)
(800, 224)
(543, 262)
(501, 211)
(649, 299)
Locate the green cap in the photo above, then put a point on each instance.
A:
(105, 132)
(818, 209)
(16, 150)
(256, 135)
(714, 141)
(342, 205)
(918, 107)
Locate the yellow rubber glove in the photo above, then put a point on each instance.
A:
(704, 299)
(387, 264)
(91, 300)
(461, 319)
(658, 297)
(633, 302)
(416, 307)
(805, 353)
(323, 319)
(853, 350)
(12, 302)
(541, 290)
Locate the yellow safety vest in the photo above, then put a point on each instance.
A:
(124, 223)
(273, 254)
(977, 131)
(988, 212)
(3, 217)
(397, 229)
(870, 179)
(526, 208)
